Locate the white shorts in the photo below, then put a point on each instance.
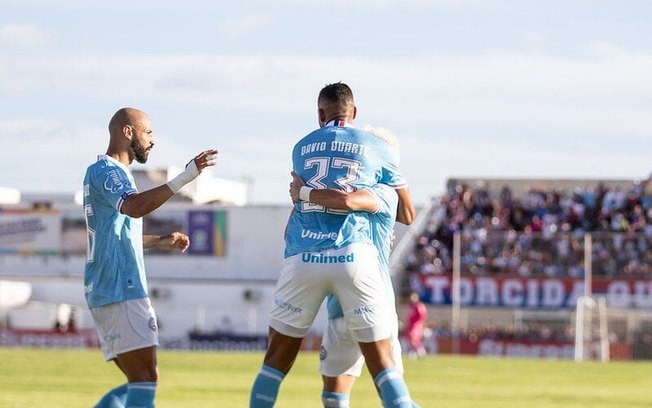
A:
(339, 354)
(125, 326)
(351, 274)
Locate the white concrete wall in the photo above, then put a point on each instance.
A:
(180, 306)
(184, 287)
(254, 251)
(187, 290)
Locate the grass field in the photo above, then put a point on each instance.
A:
(64, 378)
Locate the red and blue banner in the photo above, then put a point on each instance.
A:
(535, 293)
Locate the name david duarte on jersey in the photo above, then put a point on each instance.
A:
(336, 146)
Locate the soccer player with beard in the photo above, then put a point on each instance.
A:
(115, 283)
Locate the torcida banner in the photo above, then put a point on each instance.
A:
(535, 293)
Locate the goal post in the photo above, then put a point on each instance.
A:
(588, 308)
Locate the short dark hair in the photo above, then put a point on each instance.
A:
(338, 93)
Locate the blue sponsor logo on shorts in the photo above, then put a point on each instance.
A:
(287, 306)
(327, 259)
(323, 353)
(363, 310)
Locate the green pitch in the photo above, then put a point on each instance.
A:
(66, 378)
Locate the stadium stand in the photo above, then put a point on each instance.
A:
(533, 229)
(538, 233)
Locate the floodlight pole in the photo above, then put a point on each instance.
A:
(588, 265)
(585, 301)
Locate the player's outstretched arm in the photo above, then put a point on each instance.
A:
(360, 200)
(140, 204)
(175, 240)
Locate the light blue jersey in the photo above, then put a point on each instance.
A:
(382, 226)
(115, 268)
(342, 157)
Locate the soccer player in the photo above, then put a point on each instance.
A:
(330, 251)
(115, 284)
(340, 358)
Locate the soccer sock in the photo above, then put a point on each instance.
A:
(393, 390)
(265, 389)
(141, 395)
(414, 405)
(116, 398)
(335, 399)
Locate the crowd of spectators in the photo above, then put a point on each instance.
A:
(540, 233)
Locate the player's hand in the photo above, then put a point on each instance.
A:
(295, 187)
(193, 169)
(176, 240)
(205, 159)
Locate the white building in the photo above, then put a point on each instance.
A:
(228, 274)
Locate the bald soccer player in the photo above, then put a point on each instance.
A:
(115, 284)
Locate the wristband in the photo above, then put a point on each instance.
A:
(185, 177)
(304, 193)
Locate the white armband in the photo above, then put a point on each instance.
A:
(185, 177)
(304, 193)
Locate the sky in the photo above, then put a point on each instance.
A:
(472, 88)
